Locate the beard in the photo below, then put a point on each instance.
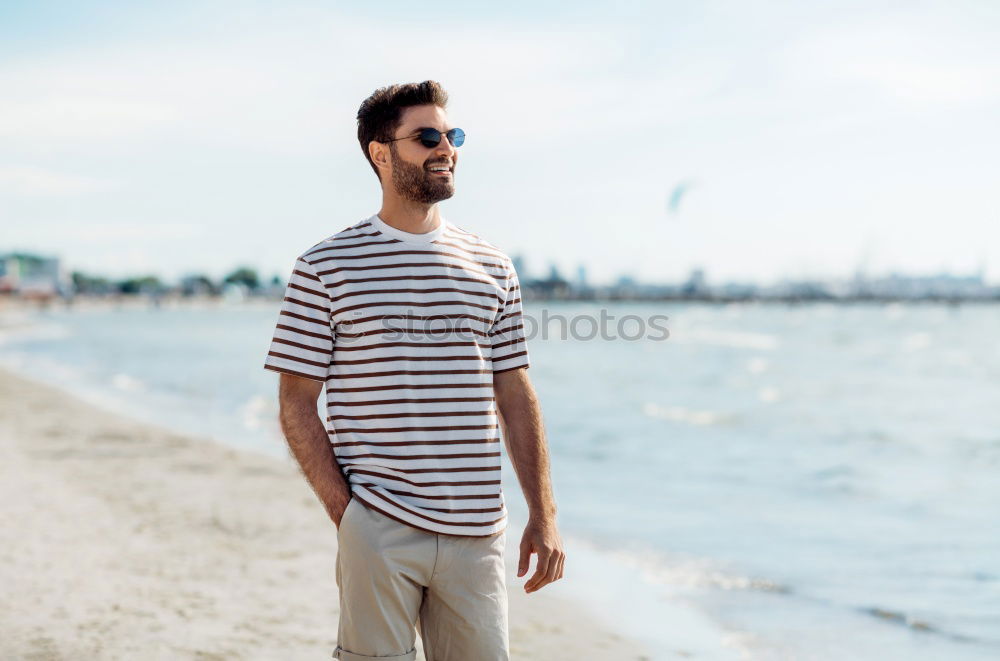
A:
(416, 183)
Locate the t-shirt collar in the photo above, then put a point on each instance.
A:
(408, 237)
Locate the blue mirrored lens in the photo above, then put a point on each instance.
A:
(432, 137)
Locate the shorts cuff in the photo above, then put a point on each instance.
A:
(344, 655)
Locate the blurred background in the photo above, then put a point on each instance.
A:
(806, 467)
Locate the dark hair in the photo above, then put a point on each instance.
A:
(380, 114)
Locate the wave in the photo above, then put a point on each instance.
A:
(726, 338)
(685, 415)
(682, 571)
(910, 621)
(19, 329)
(684, 576)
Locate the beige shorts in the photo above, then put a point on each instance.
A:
(394, 577)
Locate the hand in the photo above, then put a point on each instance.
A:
(541, 537)
(338, 514)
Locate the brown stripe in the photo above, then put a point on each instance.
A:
(431, 414)
(285, 356)
(304, 318)
(413, 400)
(473, 241)
(423, 317)
(347, 465)
(507, 369)
(293, 329)
(307, 347)
(519, 340)
(321, 308)
(345, 460)
(340, 236)
(471, 483)
(471, 251)
(353, 245)
(276, 368)
(320, 294)
(508, 315)
(379, 444)
(390, 359)
(306, 274)
(513, 355)
(373, 375)
(432, 290)
(400, 430)
(416, 304)
(422, 345)
(386, 331)
(518, 326)
(395, 265)
(464, 496)
(408, 386)
(396, 278)
(396, 253)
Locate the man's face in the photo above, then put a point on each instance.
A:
(411, 160)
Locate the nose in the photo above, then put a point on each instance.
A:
(444, 149)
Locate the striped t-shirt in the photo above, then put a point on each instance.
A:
(406, 331)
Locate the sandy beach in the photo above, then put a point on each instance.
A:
(122, 540)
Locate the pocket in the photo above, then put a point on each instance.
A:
(343, 517)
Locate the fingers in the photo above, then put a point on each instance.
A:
(549, 570)
(541, 571)
(551, 558)
(522, 563)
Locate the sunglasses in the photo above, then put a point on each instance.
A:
(432, 137)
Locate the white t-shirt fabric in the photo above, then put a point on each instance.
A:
(406, 331)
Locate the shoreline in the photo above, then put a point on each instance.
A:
(15, 306)
(122, 539)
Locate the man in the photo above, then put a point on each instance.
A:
(412, 327)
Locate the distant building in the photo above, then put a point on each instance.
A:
(901, 286)
(519, 267)
(32, 276)
(555, 286)
(696, 284)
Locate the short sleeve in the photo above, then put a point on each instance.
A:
(510, 348)
(303, 339)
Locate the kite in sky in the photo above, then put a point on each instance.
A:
(676, 195)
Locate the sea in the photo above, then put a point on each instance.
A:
(733, 481)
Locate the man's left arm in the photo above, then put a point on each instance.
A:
(524, 435)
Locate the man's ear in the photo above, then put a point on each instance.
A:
(379, 154)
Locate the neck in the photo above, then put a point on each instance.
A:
(410, 216)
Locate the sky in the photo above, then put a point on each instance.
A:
(757, 141)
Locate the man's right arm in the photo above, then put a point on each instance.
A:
(308, 441)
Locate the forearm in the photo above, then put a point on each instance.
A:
(309, 444)
(524, 435)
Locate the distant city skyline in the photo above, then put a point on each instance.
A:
(28, 274)
(757, 142)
